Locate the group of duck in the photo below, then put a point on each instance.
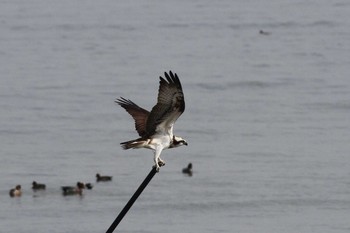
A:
(78, 189)
(66, 190)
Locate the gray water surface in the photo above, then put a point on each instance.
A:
(267, 116)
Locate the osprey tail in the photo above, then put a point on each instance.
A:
(134, 144)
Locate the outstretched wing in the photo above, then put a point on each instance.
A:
(139, 114)
(170, 105)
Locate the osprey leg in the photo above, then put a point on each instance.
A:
(158, 162)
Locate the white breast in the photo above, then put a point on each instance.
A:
(160, 141)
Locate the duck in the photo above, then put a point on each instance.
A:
(188, 170)
(88, 185)
(71, 190)
(103, 178)
(16, 192)
(261, 32)
(37, 186)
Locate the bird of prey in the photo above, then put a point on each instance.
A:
(155, 128)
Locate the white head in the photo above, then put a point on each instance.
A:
(177, 141)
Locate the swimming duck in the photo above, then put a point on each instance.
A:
(88, 185)
(37, 186)
(16, 192)
(103, 178)
(188, 170)
(261, 32)
(70, 190)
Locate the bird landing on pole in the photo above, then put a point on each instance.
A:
(155, 128)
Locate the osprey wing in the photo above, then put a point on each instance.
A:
(170, 105)
(139, 114)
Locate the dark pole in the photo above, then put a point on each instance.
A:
(132, 200)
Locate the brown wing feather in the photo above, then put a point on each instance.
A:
(139, 114)
(170, 105)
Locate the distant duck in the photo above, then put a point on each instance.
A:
(70, 190)
(188, 170)
(88, 185)
(16, 192)
(103, 178)
(37, 186)
(261, 32)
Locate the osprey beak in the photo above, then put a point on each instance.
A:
(185, 143)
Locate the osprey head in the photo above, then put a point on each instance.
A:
(177, 141)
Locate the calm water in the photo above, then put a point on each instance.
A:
(267, 116)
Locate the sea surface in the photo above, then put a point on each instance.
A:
(267, 114)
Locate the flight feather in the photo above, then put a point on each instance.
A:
(170, 104)
(139, 114)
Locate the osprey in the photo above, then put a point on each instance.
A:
(155, 128)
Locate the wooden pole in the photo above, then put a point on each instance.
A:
(132, 200)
